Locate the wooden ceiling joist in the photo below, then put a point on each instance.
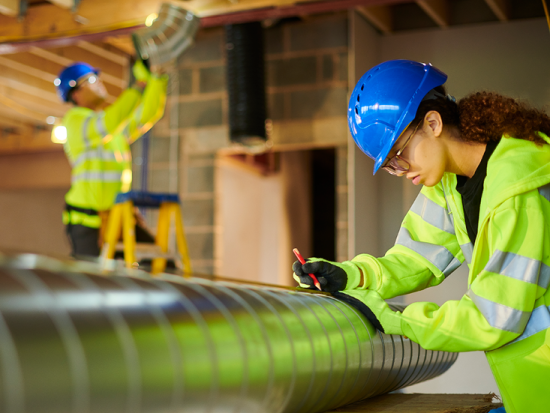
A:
(100, 51)
(46, 20)
(379, 16)
(501, 8)
(438, 10)
(64, 61)
(9, 7)
(66, 4)
(78, 54)
(22, 116)
(25, 86)
(30, 70)
(122, 43)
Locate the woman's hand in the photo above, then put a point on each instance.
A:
(330, 275)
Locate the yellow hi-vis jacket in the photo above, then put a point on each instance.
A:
(98, 148)
(506, 309)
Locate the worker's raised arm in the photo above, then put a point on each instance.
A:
(87, 129)
(149, 110)
(117, 116)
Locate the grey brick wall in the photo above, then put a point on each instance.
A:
(306, 76)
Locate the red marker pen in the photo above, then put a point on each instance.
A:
(302, 261)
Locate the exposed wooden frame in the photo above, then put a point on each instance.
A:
(66, 4)
(23, 117)
(123, 43)
(104, 16)
(100, 51)
(299, 8)
(501, 8)
(101, 16)
(26, 88)
(379, 16)
(54, 57)
(438, 10)
(10, 7)
(30, 70)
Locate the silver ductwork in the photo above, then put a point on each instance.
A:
(170, 35)
(75, 340)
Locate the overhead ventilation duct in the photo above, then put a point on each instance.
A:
(168, 36)
(74, 340)
(246, 84)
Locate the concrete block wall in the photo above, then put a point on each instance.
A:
(306, 79)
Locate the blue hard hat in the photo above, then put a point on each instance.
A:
(69, 77)
(384, 102)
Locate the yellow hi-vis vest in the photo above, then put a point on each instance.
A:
(506, 309)
(98, 148)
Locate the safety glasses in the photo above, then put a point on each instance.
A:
(396, 165)
(91, 78)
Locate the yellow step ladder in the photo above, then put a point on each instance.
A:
(121, 218)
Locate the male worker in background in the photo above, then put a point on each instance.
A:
(98, 144)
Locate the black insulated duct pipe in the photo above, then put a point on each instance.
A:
(246, 84)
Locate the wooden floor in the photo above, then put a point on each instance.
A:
(424, 403)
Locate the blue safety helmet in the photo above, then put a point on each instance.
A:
(69, 77)
(384, 102)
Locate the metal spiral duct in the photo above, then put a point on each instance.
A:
(170, 35)
(73, 340)
(246, 83)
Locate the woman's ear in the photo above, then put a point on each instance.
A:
(434, 122)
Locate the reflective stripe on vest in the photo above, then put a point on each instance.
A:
(539, 321)
(518, 267)
(468, 251)
(499, 315)
(85, 138)
(438, 255)
(100, 124)
(92, 155)
(80, 218)
(97, 176)
(433, 214)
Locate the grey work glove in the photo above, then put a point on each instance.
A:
(332, 276)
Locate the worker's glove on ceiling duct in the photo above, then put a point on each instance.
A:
(140, 71)
(332, 276)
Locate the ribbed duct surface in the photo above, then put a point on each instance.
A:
(73, 341)
(170, 35)
(246, 82)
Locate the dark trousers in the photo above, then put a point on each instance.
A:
(85, 240)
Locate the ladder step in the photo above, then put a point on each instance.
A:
(147, 250)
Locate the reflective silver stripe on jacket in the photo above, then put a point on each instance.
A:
(544, 276)
(499, 315)
(100, 124)
(433, 214)
(98, 176)
(519, 267)
(85, 138)
(95, 154)
(438, 255)
(126, 132)
(539, 321)
(137, 118)
(468, 251)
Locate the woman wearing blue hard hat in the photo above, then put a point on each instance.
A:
(484, 163)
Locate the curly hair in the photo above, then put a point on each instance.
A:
(487, 116)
